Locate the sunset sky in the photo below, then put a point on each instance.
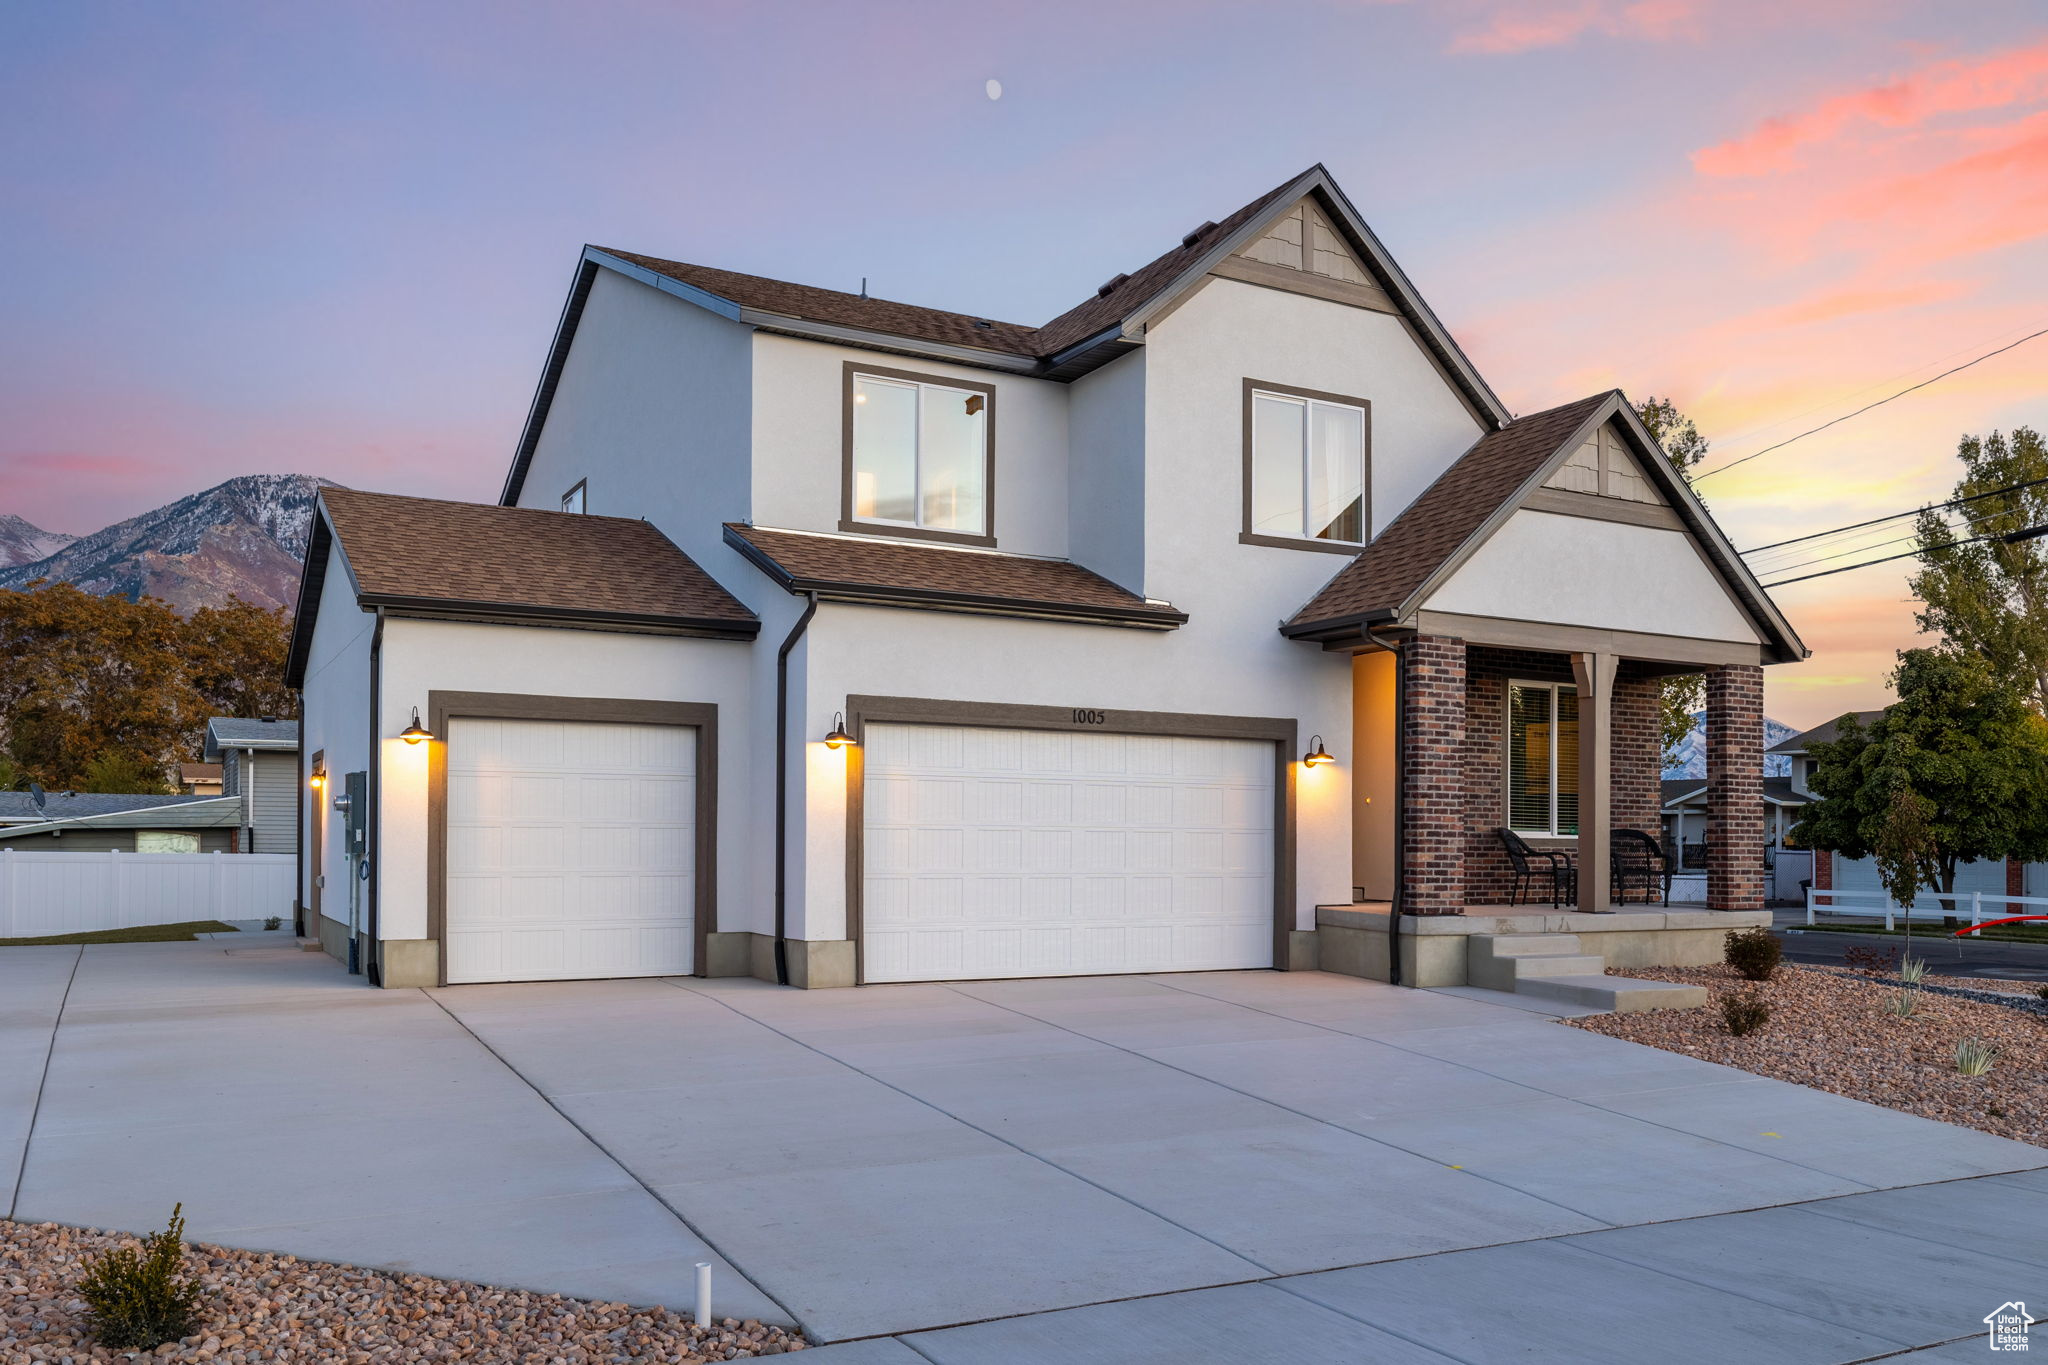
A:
(333, 239)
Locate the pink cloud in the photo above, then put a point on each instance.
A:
(1513, 29)
(2019, 76)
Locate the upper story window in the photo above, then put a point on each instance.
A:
(1543, 758)
(919, 455)
(1306, 468)
(572, 501)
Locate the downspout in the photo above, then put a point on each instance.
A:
(1394, 911)
(782, 788)
(299, 834)
(248, 786)
(373, 790)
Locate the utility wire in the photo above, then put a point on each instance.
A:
(2009, 537)
(1868, 406)
(1969, 524)
(1894, 516)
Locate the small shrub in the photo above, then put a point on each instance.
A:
(1871, 961)
(2041, 991)
(1753, 953)
(1905, 1004)
(1912, 969)
(273, 921)
(139, 1297)
(1974, 1056)
(1744, 1012)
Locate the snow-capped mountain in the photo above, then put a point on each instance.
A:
(1689, 759)
(23, 543)
(244, 537)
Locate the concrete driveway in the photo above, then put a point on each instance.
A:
(1293, 1167)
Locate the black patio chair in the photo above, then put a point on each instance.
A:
(1535, 865)
(1638, 860)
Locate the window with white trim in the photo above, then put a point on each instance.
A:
(1307, 468)
(918, 455)
(1543, 759)
(166, 841)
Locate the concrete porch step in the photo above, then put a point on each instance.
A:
(1529, 945)
(1621, 994)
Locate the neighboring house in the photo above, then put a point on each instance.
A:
(199, 779)
(99, 822)
(259, 762)
(841, 640)
(1787, 867)
(1992, 876)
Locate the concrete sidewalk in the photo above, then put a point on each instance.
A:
(1245, 1165)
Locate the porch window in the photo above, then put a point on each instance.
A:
(918, 454)
(1306, 467)
(1543, 759)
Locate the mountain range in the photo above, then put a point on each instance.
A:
(1689, 759)
(243, 538)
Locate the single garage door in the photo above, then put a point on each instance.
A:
(992, 853)
(571, 850)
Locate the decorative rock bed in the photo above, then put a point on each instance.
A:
(1830, 1030)
(260, 1306)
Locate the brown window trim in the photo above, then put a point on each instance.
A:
(443, 707)
(861, 711)
(1246, 535)
(584, 486)
(988, 458)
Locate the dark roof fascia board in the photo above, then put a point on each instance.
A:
(425, 608)
(550, 378)
(313, 590)
(840, 334)
(1778, 632)
(1316, 178)
(1684, 796)
(868, 594)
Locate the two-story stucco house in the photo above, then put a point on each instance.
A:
(837, 640)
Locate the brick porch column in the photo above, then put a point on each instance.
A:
(1735, 787)
(1433, 775)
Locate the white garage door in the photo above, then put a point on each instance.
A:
(571, 850)
(1049, 853)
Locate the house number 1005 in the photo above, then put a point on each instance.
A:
(1082, 717)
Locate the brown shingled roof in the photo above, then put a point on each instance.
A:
(854, 568)
(1450, 511)
(523, 561)
(848, 310)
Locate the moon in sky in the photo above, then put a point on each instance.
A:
(994, 88)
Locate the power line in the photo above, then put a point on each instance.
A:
(1969, 523)
(1894, 516)
(2009, 537)
(1868, 406)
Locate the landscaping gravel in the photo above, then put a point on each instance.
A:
(1830, 1030)
(259, 1306)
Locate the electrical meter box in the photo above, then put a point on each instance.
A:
(355, 815)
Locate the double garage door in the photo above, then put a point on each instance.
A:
(571, 850)
(987, 852)
(1003, 853)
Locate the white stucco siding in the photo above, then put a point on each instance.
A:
(1231, 666)
(652, 414)
(420, 657)
(336, 719)
(1197, 360)
(799, 433)
(1580, 571)
(1106, 472)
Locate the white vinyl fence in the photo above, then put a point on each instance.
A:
(73, 893)
(1974, 906)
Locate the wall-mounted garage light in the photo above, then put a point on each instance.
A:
(317, 781)
(415, 732)
(1316, 753)
(836, 737)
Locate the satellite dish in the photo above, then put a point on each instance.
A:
(35, 793)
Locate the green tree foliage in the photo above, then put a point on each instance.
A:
(1990, 599)
(1955, 770)
(100, 690)
(1685, 448)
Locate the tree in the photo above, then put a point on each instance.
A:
(234, 660)
(1956, 770)
(1683, 445)
(1990, 599)
(114, 771)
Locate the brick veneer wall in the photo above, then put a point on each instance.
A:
(1635, 801)
(1432, 775)
(1823, 870)
(1735, 787)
